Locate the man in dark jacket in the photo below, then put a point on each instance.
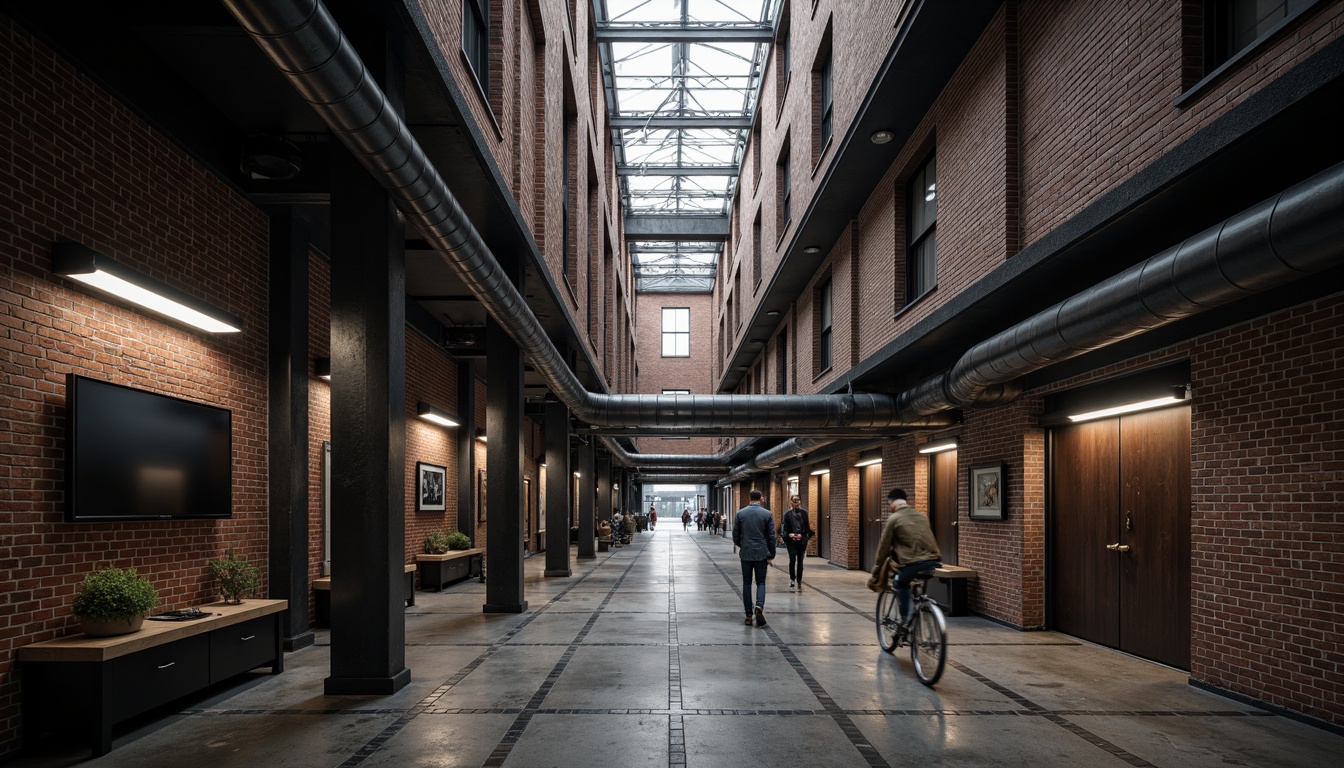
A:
(797, 530)
(908, 539)
(754, 535)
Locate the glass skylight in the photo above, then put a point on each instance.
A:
(696, 63)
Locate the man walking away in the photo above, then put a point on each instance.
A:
(754, 536)
(908, 539)
(797, 530)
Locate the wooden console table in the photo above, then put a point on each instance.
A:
(95, 682)
(322, 596)
(948, 587)
(441, 570)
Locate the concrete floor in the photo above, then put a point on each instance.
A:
(641, 659)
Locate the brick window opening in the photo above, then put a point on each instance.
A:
(922, 201)
(822, 97)
(1217, 34)
(476, 39)
(783, 193)
(782, 362)
(824, 327)
(756, 250)
(783, 59)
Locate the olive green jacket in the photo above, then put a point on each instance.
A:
(907, 538)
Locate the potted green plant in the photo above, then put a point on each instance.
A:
(114, 601)
(458, 540)
(235, 576)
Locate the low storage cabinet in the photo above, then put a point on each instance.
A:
(88, 684)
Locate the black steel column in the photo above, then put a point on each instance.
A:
(587, 497)
(557, 490)
(604, 487)
(288, 424)
(503, 473)
(368, 435)
(466, 449)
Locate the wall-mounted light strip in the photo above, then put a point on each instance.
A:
(480, 435)
(86, 265)
(1179, 394)
(817, 472)
(322, 369)
(791, 479)
(938, 446)
(434, 415)
(868, 462)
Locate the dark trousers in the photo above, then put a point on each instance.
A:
(756, 569)
(797, 553)
(903, 577)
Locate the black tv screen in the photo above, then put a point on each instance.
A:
(135, 455)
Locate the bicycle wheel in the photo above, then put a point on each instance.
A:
(888, 611)
(928, 642)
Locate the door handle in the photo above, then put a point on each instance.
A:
(1118, 547)
(954, 523)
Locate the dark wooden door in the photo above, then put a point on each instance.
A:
(872, 514)
(1155, 505)
(1085, 519)
(1120, 533)
(943, 503)
(821, 515)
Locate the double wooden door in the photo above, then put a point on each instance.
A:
(1120, 532)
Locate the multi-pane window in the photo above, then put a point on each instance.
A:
(826, 100)
(824, 331)
(1233, 25)
(676, 332)
(476, 38)
(922, 197)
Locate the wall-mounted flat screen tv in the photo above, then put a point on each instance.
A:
(136, 455)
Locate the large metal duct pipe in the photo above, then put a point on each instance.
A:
(1297, 233)
(303, 40)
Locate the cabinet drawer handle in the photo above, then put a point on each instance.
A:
(245, 639)
(169, 664)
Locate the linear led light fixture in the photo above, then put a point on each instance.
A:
(86, 265)
(435, 415)
(938, 446)
(322, 369)
(480, 435)
(868, 462)
(869, 458)
(817, 472)
(791, 479)
(1178, 394)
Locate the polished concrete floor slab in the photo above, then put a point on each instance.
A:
(640, 658)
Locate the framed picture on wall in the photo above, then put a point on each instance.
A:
(985, 487)
(431, 485)
(480, 495)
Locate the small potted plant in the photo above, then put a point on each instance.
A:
(235, 576)
(114, 601)
(440, 542)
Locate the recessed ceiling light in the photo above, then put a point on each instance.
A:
(812, 249)
(881, 137)
(772, 312)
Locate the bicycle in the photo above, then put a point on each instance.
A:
(926, 632)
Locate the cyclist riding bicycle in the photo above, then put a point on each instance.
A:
(908, 539)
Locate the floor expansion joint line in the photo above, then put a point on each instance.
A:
(870, 754)
(376, 743)
(676, 725)
(506, 744)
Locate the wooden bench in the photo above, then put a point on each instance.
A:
(322, 596)
(948, 587)
(91, 683)
(449, 567)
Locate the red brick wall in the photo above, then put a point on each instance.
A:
(431, 377)
(319, 409)
(76, 164)
(657, 373)
(1267, 490)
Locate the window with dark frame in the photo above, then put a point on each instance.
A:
(827, 98)
(824, 332)
(782, 360)
(1232, 26)
(783, 61)
(785, 192)
(756, 250)
(676, 332)
(476, 39)
(567, 192)
(921, 230)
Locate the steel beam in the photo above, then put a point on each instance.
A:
(677, 170)
(686, 228)
(757, 34)
(681, 123)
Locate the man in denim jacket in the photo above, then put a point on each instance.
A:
(754, 535)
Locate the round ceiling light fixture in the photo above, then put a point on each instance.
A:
(881, 137)
(271, 158)
(812, 249)
(772, 312)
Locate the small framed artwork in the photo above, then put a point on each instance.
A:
(480, 495)
(431, 482)
(985, 487)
